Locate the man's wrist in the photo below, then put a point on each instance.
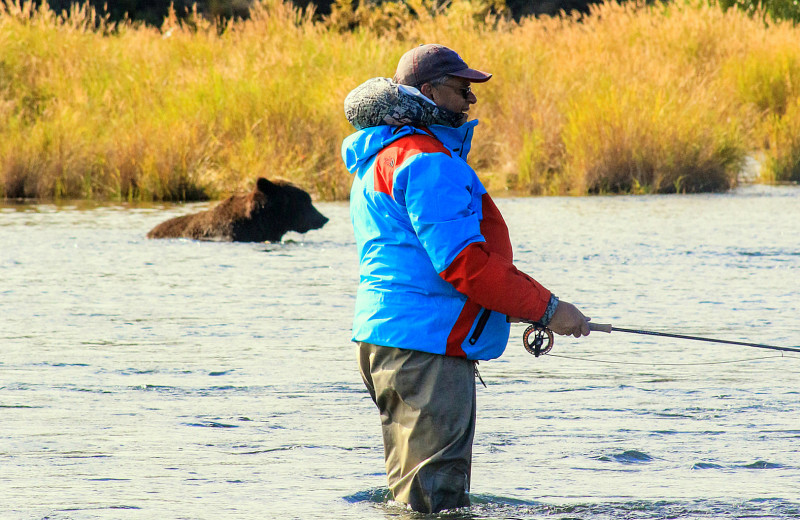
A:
(550, 310)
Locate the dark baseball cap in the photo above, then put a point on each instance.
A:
(426, 62)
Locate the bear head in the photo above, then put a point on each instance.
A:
(273, 208)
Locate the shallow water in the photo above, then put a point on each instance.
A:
(179, 379)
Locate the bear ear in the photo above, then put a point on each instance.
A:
(263, 185)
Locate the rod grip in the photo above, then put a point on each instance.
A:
(600, 327)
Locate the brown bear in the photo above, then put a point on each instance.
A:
(263, 215)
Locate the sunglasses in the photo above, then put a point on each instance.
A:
(464, 91)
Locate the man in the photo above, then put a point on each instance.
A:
(437, 282)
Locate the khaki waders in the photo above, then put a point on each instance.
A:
(427, 407)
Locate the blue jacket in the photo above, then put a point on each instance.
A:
(436, 271)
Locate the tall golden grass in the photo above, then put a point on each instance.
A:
(633, 98)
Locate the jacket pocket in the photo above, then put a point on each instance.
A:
(484, 317)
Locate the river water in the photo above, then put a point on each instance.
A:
(171, 379)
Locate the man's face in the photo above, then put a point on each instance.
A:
(454, 94)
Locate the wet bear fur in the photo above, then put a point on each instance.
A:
(263, 215)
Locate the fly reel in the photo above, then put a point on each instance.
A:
(537, 347)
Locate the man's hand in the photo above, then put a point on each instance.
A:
(569, 320)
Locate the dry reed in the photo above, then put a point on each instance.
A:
(633, 98)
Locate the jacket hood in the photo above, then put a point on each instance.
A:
(380, 101)
(359, 148)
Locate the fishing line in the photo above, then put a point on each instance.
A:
(608, 361)
(608, 329)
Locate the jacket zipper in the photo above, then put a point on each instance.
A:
(480, 326)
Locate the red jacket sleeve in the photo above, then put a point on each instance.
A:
(485, 273)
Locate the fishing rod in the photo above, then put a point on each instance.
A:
(540, 333)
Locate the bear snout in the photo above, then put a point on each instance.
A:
(313, 220)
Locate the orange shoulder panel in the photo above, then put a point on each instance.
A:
(394, 155)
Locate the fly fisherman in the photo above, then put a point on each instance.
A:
(437, 280)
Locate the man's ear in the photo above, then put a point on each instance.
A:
(427, 90)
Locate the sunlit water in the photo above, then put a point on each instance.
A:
(177, 379)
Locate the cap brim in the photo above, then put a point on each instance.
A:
(473, 75)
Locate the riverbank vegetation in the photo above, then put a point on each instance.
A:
(633, 98)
